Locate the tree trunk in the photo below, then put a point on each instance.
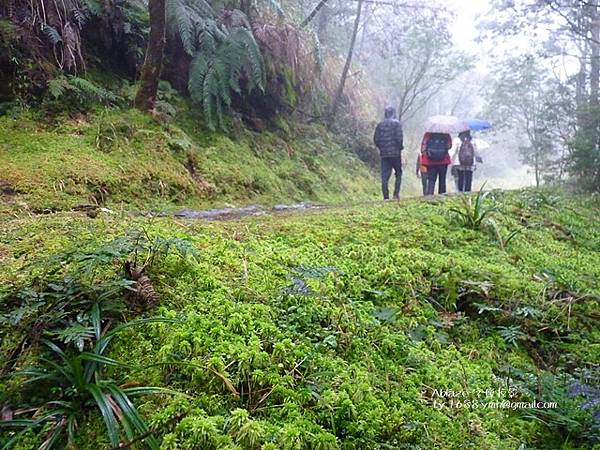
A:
(150, 76)
(314, 13)
(322, 25)
(340, 89)
(595, 64)
(594, 108)
(537, 167)
(581, 80)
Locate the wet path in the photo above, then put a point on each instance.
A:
(237, 213)
(234, 213)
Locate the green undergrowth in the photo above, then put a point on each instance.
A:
(335, 329)
(121, 158)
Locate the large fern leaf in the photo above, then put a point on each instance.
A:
(180, 23)
(198, 70)
(253, 63)
(187, 19)
(224, 58)
(52, 34)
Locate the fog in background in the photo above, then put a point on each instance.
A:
(465, 95)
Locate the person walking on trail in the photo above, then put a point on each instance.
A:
(389, 140)
(464, 158)
(422, 174)
(435, 156)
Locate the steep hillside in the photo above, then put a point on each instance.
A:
(121, 158)
(419, 325)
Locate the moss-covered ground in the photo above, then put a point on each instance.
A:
(121, 158)
(337, 329)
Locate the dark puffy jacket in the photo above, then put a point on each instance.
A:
(388, 138)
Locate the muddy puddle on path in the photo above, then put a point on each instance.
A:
(233, 213)
(237, 213)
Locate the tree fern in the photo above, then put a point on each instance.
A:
(218, 68)
(187, 19)
(224, 53)
(180, 23)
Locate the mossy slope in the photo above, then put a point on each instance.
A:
(122, 158)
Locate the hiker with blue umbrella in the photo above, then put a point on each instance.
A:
(465, 155)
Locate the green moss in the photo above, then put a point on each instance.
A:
(332, 329)
(289, 86)
(123, 158)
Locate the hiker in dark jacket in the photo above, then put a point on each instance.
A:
(388, 139)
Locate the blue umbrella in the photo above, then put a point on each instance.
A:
(478, 124)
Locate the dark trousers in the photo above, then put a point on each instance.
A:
(387, 164)
(465, 180)
(424, 182)
(436, 173)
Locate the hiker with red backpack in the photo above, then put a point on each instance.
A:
(466, 155)
(435, 157)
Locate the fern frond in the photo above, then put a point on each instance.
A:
(208, 101)
(223, 58)
(222, 80)
(211, 82)
(220, 119)
(90, 92)
(253, 62)
(57, 87)
(80, 17)
(84, 91)
(52, 34)
(179, 21)
(198, 70)
(201, 8)
(93, 7)
(208, 42)
(188, 19)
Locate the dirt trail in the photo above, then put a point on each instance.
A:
(235, 213)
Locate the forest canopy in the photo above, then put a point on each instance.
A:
(333, 61)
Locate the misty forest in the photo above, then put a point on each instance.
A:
(299, 224)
